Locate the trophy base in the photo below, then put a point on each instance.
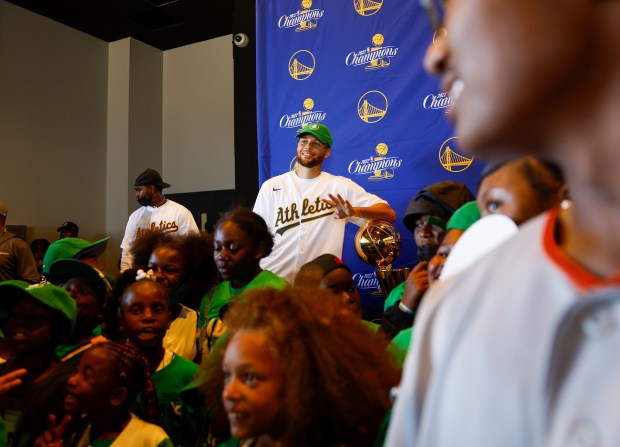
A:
(390, 278)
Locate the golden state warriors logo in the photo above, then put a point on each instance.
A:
(297, 119)
(375, 57)
(380, 167)
(301, 65)
(381, 149)
(367, 7)
(294, 163)
(305, 19)
(372, 106)
(450, 159)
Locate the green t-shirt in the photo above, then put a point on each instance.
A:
(223, 292)
(181, 419)
(374, 327)
(395, 295)
(399, 346)
(63, 350)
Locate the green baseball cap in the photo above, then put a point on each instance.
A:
(54, 297)
(320, 131)
(73, 248)
(63, 270)
(465, 216)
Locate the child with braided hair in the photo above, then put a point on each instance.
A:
(145, 318)
(100, 394)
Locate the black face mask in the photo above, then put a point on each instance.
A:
(426, 253)
(145, 202)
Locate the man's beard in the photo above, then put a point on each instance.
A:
(144, 201)
(316, 161)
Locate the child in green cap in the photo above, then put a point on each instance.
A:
(38, 317)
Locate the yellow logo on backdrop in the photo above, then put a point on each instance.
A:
(381, 149)
(379, 167)
(367, 7)
(450, 159)
(308, 24)
(308, 105)
(375, 57)
(304, 20)
(377, 41)
(301, 117)
(372, 106)
(294, 164)
(301, 65)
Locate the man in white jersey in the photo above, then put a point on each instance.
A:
(521, 349)
(156, 214)
(307, 209)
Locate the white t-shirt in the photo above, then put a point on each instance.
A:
(304, 226)
(170, 217)
(517, 350)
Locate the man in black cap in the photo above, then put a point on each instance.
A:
(430, 210)
(16, 259)
(68, 229)
(426, 217)
(156, 214)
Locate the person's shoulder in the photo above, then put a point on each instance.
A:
(140, 432)
(6, 236)
(324, 175)
(136, 213)
(501, 270)
(269, 278)
(277, 180)
(328, 176)
(181, 365)
(173, 204)
(13, 239)
(222, 286)
(341, 180)
(395, 294)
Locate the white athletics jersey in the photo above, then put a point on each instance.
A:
(518, 350)
(304, 227)
(171, 217)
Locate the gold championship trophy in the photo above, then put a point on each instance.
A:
(378, 244)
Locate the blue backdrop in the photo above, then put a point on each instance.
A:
(356, 66)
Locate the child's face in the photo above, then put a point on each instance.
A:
(145, 315)
(507, 191)
(340, 282)
(253, 386)
(435, 265)
(91, 388)
(31, 326)
(235, 253)
(89, 310)
(168, 266)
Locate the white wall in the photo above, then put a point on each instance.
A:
(53, 100)
(198, 139)
(80, 118)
